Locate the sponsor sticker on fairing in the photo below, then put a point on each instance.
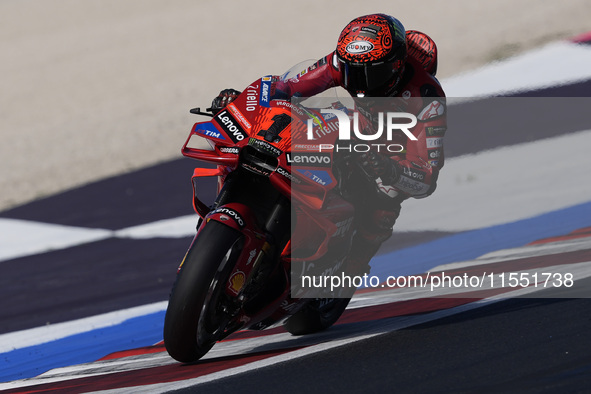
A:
(229, 149)
(265, 97)
(231, 126)
(239, 116)
(288, 105)
(264, 146)
(232, 214)
(308, 147)
(256, 169)
(321, 177)
(252, 101)
(285, 173)
(209, 130)
(306, 159)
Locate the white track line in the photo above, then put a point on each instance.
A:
(38, 335)
(555, 64)
(504, 185)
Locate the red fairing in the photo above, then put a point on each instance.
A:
(421, 160)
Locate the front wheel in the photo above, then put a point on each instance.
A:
(191, 325)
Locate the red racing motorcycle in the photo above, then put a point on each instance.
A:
(280, 213)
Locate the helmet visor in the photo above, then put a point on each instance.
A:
(367, 78)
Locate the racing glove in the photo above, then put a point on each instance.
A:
(225, 97)
(376, 166)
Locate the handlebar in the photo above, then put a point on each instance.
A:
(197, 111)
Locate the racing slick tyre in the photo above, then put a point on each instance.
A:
(317, 315)
(193, 321)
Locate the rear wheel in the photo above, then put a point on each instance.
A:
(317, 315)
(194, 321)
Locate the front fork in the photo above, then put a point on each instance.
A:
(251, 205)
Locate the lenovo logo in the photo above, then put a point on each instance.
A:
(309, 159)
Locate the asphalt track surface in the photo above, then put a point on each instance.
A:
(516, 345)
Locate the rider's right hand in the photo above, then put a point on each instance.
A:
(225, 97)
(376, 166)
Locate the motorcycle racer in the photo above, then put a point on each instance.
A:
(377, 58)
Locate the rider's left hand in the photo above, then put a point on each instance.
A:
(225, 97)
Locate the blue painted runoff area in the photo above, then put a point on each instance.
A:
(471, 244)
(81, 348)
